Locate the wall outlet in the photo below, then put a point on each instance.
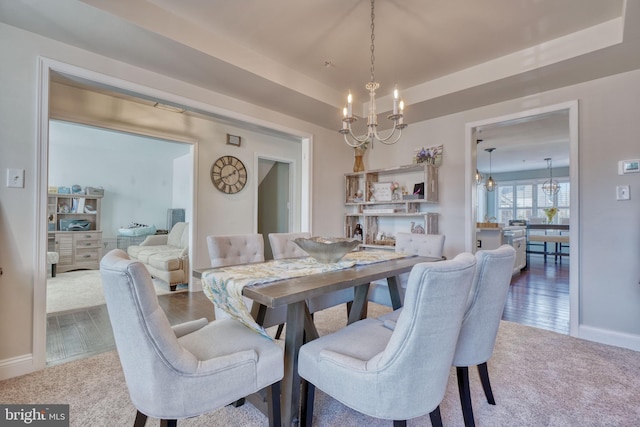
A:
(622, 192)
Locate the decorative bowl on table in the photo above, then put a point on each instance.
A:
(327, 250)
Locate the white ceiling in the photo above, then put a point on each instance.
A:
(444, 55)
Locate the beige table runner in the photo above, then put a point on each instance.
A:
(224, 285)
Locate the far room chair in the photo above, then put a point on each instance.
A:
(477, 339)
(400, 373)
(237, 249)
(283, 246)
(428, 245)
(189, 369)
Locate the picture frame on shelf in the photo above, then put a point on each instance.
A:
(382, 191)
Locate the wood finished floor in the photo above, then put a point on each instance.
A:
(538, 297)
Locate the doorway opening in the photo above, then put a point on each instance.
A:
(274, 199)
(568, 114)
(101, 83)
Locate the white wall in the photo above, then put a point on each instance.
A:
(137, 173)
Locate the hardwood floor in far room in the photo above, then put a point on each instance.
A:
(539, 297)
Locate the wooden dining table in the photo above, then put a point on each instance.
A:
(293, 293)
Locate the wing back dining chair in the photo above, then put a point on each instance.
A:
(283, 246)
(481, 321)
(429, 245)
(236, 249)
(191, 368)
(400, 373)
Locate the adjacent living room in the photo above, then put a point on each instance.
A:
(129, 186)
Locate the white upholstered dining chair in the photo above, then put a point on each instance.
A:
(429, 245)
(237, 249)
(400, 373)
(283, 246)
(189, 369)
(479, 329)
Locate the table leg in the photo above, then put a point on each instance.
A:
(290, 398)
(394, 291)
(359, 301)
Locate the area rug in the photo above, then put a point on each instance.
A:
(83, 288)
(539, 378)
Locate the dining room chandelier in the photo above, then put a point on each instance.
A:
(372, 118)
(550, 187)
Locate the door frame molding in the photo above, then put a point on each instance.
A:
(574, 222)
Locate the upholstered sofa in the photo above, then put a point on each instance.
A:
(166, 256)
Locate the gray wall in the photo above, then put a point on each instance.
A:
(608, 116)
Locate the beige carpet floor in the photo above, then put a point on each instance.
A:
(80, 289)
(539, 378)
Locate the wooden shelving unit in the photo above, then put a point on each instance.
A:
(74, 230)
(390, 212)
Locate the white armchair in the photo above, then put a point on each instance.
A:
(187, 370)
(481, 321)
(283, 246)
(402, 373)
(429, 245)
(237, 249)
(166, 256)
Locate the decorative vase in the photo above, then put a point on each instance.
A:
(358, 164)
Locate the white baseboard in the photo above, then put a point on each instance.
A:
(606, 336)
(16, 366)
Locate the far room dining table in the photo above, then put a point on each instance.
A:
(294, 291)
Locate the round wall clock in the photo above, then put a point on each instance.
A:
(228, 174)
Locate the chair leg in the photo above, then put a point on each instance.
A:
(486, 384)
(436, 418)
(238, 403)
(464, 390)
(306, 413)
(53, 270)
(273, 402)
(141, 420)
(168, 423)
(279, 331)
(399, 423)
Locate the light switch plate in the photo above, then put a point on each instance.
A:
(622, 192)
(15, 178)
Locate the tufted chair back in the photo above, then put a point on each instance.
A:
(283, 245)
(429, 245)
(235, 249)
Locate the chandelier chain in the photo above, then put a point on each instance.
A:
(373, 37)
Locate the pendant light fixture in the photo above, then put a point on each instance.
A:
(372, 119)
(550, 187)
(490, 185)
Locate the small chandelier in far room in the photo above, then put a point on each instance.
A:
(550, 187)
(372, 117)
(490, 185)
